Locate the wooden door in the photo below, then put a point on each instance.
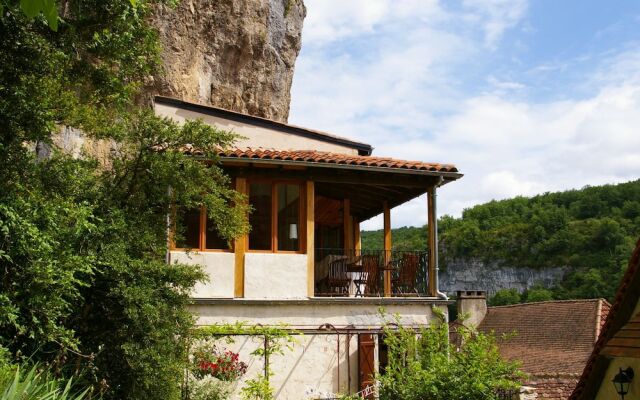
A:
(366, 364)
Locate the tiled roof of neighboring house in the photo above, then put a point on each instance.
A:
(549, 336)
(620, 314)
(322, 157)
(363, 148)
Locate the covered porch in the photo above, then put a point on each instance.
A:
(339, 192)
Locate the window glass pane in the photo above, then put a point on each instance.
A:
(288, 217)
(213, 240)
(260, 217)
(188, 229)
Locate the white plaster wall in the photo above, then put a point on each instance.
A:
(275, 276)
(607, 390)
(254, 136)
(307, 370)
(219, 266)
(310, 313)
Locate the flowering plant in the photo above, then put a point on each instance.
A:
(222, 365)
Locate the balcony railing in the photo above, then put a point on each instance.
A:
(361, 273)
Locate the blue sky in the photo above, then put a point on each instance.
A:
(524, 96)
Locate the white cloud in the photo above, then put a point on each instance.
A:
(395, 83)
(334, 20)
(496, 16)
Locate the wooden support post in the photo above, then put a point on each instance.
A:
(432, 269)
(346, 222)
(310, 239)
(387, 249)
(239, 246)
(357, 240)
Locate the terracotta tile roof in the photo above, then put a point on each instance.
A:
(552, 386)
(549, 336)
(621, 311)
(321, 157)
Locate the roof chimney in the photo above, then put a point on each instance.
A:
(472, 307)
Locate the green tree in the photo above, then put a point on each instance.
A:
(83, 241)
(537, 293)
(505, 297)
(425, 365)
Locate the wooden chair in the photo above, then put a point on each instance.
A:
(405, 280)
(369, 276)
(338, 281)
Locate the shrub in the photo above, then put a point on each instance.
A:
(424, 365)
(36, 384)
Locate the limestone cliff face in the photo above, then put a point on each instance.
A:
(463, 274)
(234, 54)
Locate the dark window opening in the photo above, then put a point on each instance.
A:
(260, 198)
(213, 240)
(188, 223)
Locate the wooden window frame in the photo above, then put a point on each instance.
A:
(202, 235)
(302, 233)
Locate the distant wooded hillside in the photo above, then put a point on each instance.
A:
(592, 231)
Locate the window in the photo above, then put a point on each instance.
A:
(276, 217)
(260, 198)
(197, 231)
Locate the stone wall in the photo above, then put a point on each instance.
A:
(476, 275)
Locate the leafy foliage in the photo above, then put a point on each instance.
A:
(425, 365)
(505, 297)
(590, 231)
(36, 384)
(85, 285)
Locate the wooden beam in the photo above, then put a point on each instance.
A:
(346, 219)
(387, 249)
(310, 239)
(240, 246)
(432, 286)
(356, 236)
(339, 176)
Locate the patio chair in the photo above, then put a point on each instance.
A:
(338, 281)
(405, 281)
(369, 277)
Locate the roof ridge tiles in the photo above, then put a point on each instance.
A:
(549, 302)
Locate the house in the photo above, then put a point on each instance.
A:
(617, 352)
(551, 339)
(302, 263)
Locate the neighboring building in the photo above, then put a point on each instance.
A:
(552, 339)
(302, 264)
(618, 346)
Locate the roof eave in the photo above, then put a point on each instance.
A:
(447, 176)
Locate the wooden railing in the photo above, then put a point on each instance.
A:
(361, 273)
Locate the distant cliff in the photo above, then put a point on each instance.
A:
(234, 54)
(475, 275)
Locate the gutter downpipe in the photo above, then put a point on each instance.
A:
(440, 294)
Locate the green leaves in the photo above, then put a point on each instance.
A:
(425, 365)
(48, 8)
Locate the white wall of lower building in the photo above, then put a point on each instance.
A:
(316, 312)
(314, 366)
(307, 370)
